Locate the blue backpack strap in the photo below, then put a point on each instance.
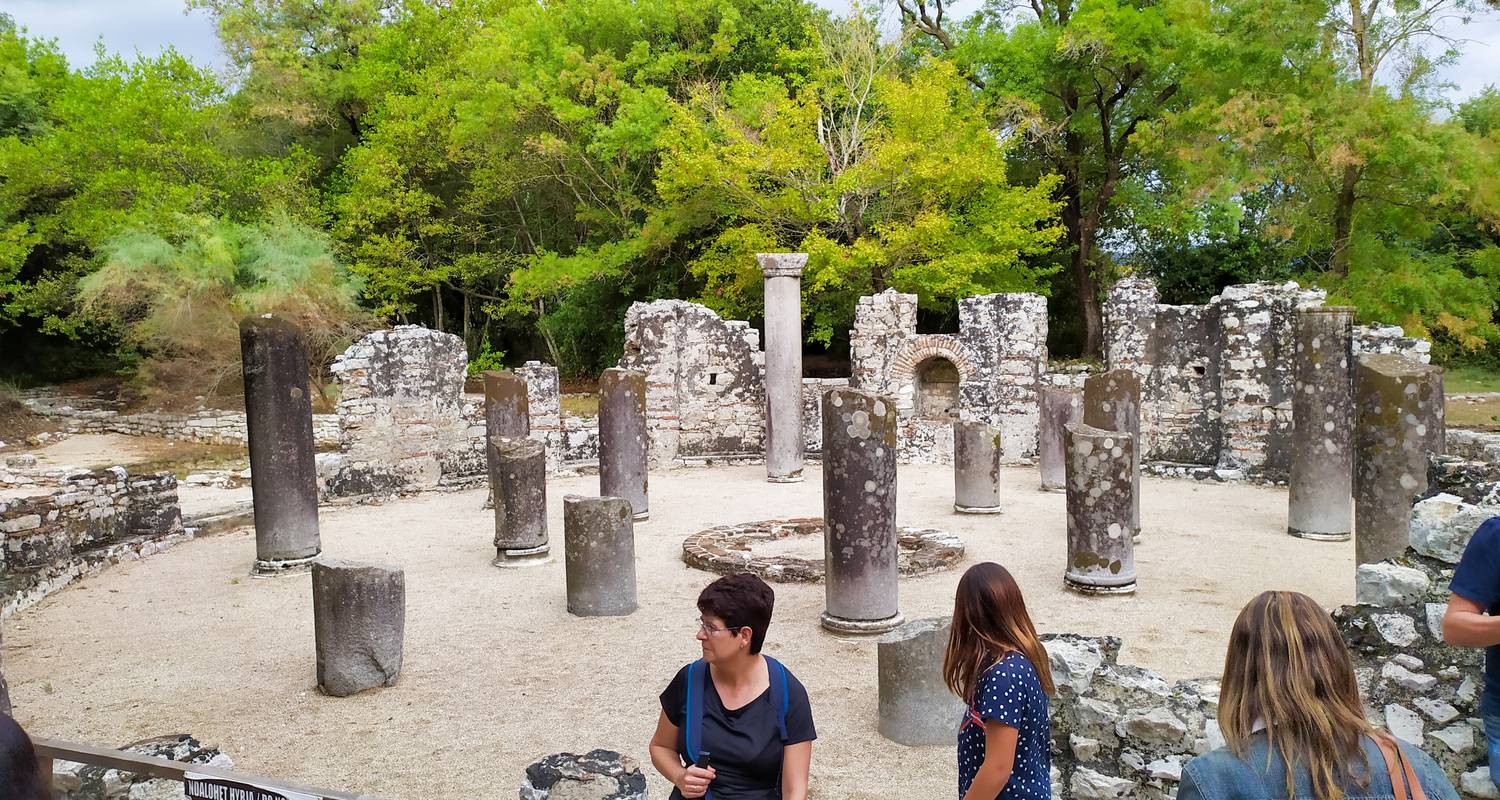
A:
(692, 712)
(780, 695)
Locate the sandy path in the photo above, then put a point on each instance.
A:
(497, 674)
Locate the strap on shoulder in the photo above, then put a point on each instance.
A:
(780, 695)
(1404, 783)
(692, 712)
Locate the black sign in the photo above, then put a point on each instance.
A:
(201, 787)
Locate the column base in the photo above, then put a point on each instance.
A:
(1053, 489)
(1090, 588)
(861, 626)
(641, 517)
(273, 567)
(785, 478)
(1319, 536)
(958, 509)
(524, 557)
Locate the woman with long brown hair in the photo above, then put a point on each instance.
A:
(1293, 720)
(996, 663)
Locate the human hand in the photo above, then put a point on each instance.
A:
(694, 782)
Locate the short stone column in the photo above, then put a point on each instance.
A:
(1320, 483)
(518, 475)
(507, 410)
(1397, 403)
(279, 431)
(784, 444)
(595, 775)
(976, 467)
(1059, 406)
(859, 512)
(359, 620)
(1112, 402)
(1101, 552)
(599, 553)
(916, 707)
(623, 441)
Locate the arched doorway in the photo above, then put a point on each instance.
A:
(937, 390)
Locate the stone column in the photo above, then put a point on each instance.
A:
(859, 512)
(1319, 487)
(518, 475)
(599, 554)
(1397, 406)
(279, 431)
(916, 707)
(507, 409)
(623, 442)
(359, 620)
(783, 273)
(976, 467)
(1060, 406)
(1112, 402)
(1101, 552)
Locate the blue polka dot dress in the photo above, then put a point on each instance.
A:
(1011, 693)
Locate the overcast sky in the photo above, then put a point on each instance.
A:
(147, 26)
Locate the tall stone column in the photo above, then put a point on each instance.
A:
(359, 624)
(783, 274)
(599, 555)
(1398, 404)
(623, 442)
(507, 409)
(916, 707)
(1112, 402)
(1320, 485)
(859, 512)
(1101, 551)
(1059, 406)
(976, 467)
(518, 475)
(279, 430)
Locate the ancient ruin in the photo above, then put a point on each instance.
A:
(1398, 421)
(359, 614)
(781, 550)
(518, 483)
(1321, 480)
(599, 542)
(916, 707)
(1101, 504)
(784, 444)
(859, 512)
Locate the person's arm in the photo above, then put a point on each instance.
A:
(691, 781)
(1188, 788)
(796, 761)
(999, 761)
(1465, 624)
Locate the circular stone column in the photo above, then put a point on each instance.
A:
(623, 441)
(1112, 402)
(859, 512)
(976, 468)
(518, 477)
(599, 555)
(1059, 406)
(916, 707)
(1320, 485)
(1101, 551)
(1398, 411)
(507, 411)
(783, 306)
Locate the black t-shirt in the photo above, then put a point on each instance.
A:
(744, 744)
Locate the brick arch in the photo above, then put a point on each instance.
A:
(932, 345)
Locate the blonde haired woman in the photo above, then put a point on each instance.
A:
(1294, 722)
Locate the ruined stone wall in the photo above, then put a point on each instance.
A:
(1008, 335)
(209, 426)
(1392, 339)
(812, 410)
(705, 380)
(59, 525)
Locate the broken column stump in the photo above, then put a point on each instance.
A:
(359, 619)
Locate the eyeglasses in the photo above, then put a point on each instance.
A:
(707, 629)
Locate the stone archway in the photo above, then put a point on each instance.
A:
(926, 376)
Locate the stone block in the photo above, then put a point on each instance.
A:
(359, 617)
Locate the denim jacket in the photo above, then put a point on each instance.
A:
(1220, 775)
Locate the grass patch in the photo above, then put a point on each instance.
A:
(186, 457)
(580, 405)
(1470, 380)
(1483, 415)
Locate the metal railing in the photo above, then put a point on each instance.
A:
(199, 780)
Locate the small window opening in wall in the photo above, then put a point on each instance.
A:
(713, 379)
(1199, 370)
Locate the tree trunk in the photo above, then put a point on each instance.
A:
(1343, 220)
(1080, 235)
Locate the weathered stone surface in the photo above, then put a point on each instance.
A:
(1386, 584)
(1441, 526)
(728, 549)
(1398, 412)
(596, 775)
(859, 512)
(1322, 453)
(916, 707)
(1059, 406)
(977, 452)
(623, 442)
(599, 547)
(359, 619)
(518, 480)
(1101, 550)
(278, 410)
(783, 359)
(507, 411)
(1477, 783)
(1112, 402)
(74, 781)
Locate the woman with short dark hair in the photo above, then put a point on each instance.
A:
(735, 724)
(20, 775)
